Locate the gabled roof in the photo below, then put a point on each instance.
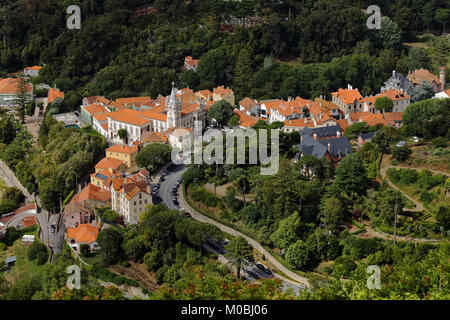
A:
(220, 90)
(248, 103)
(153, 136)
(417, 76)
(95, 108)
(348, 96)
(299, 123)
(328, 131)
(131, 116)
(107, 163)
(339, 147)
(53, 94)
(91, 192)
(37, 68)
(9, 86)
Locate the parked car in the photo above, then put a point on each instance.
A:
(162, 179)
(401, 144)
(179, 180)
(165, 173)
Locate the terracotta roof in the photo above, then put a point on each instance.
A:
(95, 108)
(9, 86)
(37, 68)
(86, 233)
(91, 192)
(150, 114)
(192, 62)
(53, 94)
(246, 120)
(138, 101)
(298, 123)
(121, 148)
(393, 116)
(152, 136)
(417, 76)
(97, 99)
(131, 116)
(206, 94)
(247, 103)
(348, 96)
(105, 126)
(220, 90)
(107, 163)
(101, 116)
(28, 221)
(343, 123)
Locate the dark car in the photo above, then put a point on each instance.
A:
(263, 269)
(157, 199)
(187, 214)
(175, 202)
(179, 180)
(156, 186)
(162, 179)
(165, 173)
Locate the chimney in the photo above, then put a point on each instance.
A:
(329, 147)
(442, 74)
(349, 87)
(338, 134)
(315, 136)
(393, 73)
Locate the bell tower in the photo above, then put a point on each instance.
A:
(173, 108)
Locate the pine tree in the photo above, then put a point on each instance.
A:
(22, 97)
(242, 73)
(441, 49)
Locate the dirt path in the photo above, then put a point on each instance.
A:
(371, 233)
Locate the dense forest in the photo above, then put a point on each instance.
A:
(117, 53)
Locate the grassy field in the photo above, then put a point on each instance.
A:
(23, 268)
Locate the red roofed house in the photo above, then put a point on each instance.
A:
(32, 71)
(83, 234)
(54, 94)
(191, 64)
(93, 197)
(348, 100)
(124, 153)
(220, 93)
(401, 101)
(417, 77)
(8, 91)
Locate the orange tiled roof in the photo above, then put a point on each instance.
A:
(393, 116)
(53, 94)
(107, 163)
(34, 68)
(95, 108)
(101, 116)
(220, 90)
(86, 233)
(343, 123)
(28, 221)
(348, 96)
(9, 85)
(121, 148)
(299, 123)
(206, 94)
(138, 101)
(130, 116)
(417, 76)
(97, 99)
(153, 136)
(91, 192)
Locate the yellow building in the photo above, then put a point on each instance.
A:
(124, 153)
(220, 93)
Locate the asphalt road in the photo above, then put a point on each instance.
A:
(165, 193)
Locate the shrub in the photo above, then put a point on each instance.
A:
(343, 266)
(159, 275)
(401, 153)
(2, 246)
(153, 260)
(35, 249)
(426, 197)
(439, 142)
(200, 194)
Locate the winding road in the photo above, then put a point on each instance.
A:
(166, 195)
